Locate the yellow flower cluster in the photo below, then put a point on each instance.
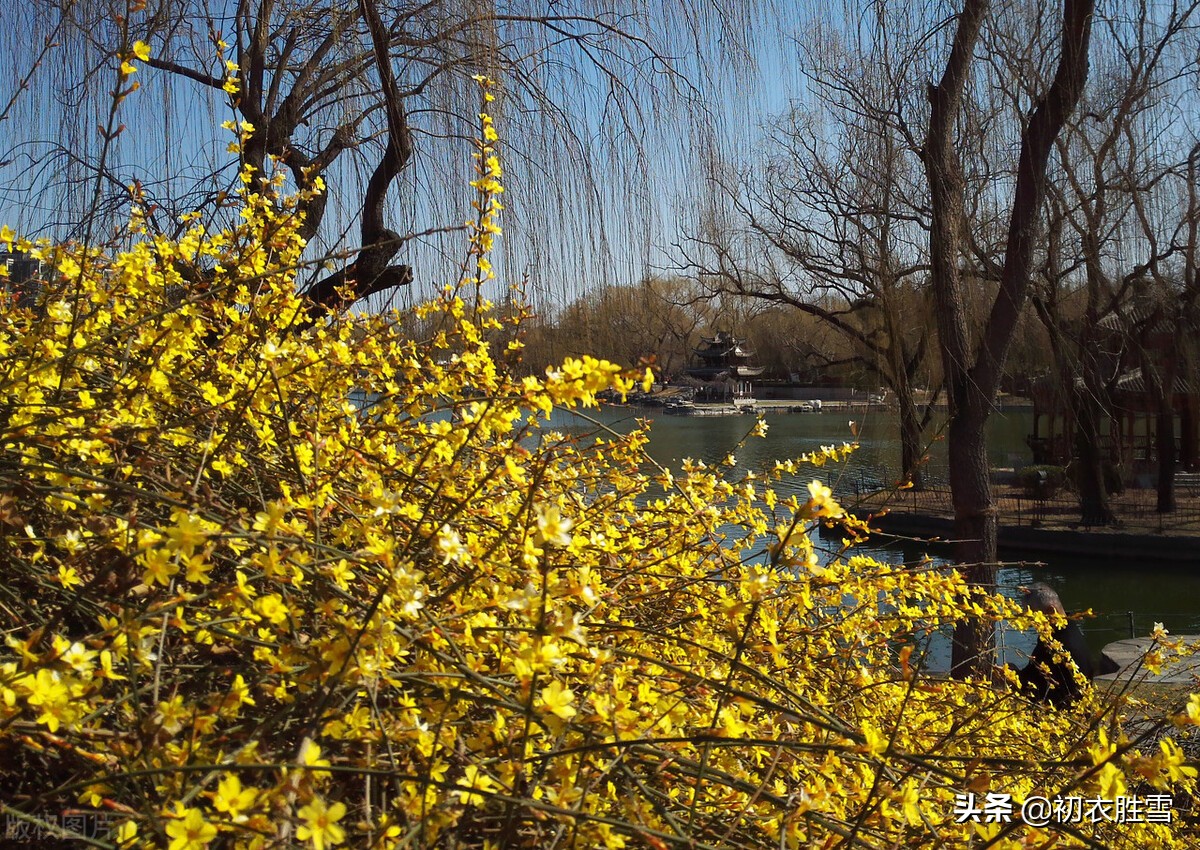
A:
(271, 584)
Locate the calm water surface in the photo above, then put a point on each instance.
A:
(1118, 592)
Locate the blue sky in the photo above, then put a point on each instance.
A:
(173, 128)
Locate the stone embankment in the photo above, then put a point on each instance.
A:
(1034, 526)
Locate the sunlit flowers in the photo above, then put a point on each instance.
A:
(253, 609)
(475, 783)
(190, 831)
(552, 527)
(1191, 713)
(821, 502)
(231, 798)
(310, 756)
(450, 546)
(48, 692)
(557, 699)
(320, 824)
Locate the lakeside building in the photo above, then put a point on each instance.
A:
(24, 277)
(722, 368)
(1149, 398)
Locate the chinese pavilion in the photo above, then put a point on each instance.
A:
(722, 366)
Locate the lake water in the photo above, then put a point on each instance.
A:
(1116, 591)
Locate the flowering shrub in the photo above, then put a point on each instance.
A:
(243, 609)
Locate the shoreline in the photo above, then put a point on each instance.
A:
(658, 401)
(1107, 544)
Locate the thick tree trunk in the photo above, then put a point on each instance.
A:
(912, 448)
(1164, 438)
(972, 370)
(1094, 505)
(975, 528)
(970, 492)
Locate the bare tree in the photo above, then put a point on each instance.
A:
(972, 365)
(1113, 166)
(375, 99)
(1162, 321)
(655, 322)
(833, 222)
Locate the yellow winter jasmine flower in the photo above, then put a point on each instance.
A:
(910, 799)
(197, 567)
(557, 699)
(552, 527)
(875, 742)
(451, 547)
(239, 694)
(475, 781)
(273, 519)
(1172, 760)
(68, 577)
(125, 834)
(50, 692)
(231, 798)
(190, 831)
(272, 607)
(821, 502)
(310, 755)
(320, 824)
(1192, 714)
(188, 532)
(106, 668)
(160, 566)
(79, 657)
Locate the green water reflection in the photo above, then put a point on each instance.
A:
(1118, 592)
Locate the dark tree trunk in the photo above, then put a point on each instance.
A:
(1187, 428)
(975, 528)
(1164, 437)
(1094, 505)
(912, 447)
(972, 369)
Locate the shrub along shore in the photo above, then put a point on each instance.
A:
(241, 612)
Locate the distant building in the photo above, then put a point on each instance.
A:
(24, 276)
(1144, 422)
(722, 367)
(723, 356)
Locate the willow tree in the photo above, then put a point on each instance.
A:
(831, 219)
(973, 358)
(372, 98)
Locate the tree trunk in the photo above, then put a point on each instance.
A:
(1094, 505)
(912, 448)
(972, 370)
(970, 491)
(975, 529)
(1164, 437)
